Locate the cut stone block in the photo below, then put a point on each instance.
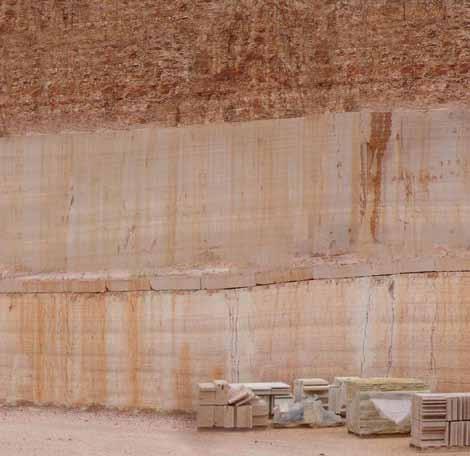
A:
(84, 286)
(281, 276)
(140, 284)
(343, 394)
(11, 286)
(261, 421)
(333, 399)
(31, 286)
(44, 286)
(224, 281)
(219, 416)
(221, 392)
(339, 271)
(205, 416)
(244, 417)
(229, 417)
(260, 407)
(207, 394)
(175, 282)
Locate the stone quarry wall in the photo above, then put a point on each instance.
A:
(242, 197)
(365, 213)
(94, 63)
(148, 349)
(254, 190)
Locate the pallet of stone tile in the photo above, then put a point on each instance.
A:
(458, 406)
(380, 413)
(430, 407)
(459, 433)
(429, 434)
(441, 420)
(381, 405)
(224, 406)
(429, 426)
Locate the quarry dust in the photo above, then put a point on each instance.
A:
(32, 431)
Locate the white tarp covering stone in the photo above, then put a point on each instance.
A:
(397, 410)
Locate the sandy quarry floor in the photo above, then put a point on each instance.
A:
(37, 432)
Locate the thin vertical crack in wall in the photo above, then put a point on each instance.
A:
(432, 359)
(365, 331)
(391, 290)
(233, 312)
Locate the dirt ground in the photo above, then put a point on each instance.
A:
(28, 431)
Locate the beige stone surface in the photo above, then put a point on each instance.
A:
(229, 417)
(205, 416)
(141, 284)
(222, 281)
(31, 286)
(282, 276)
(150, 349)
(258, 195)
(219, 416)
(85, 286)
(244, 417)
(176, 282)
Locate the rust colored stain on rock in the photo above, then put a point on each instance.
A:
(134, 349)
(381, 128)
(182, 379)
(93, 353)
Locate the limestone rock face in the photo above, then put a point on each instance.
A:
(389, 189)
(150, 349)
(103, 63)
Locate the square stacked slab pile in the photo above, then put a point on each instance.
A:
(230, 407)
(441, 420)
(370, 397)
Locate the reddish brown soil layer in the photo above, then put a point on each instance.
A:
(113, 63)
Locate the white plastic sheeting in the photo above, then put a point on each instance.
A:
(397, 409)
